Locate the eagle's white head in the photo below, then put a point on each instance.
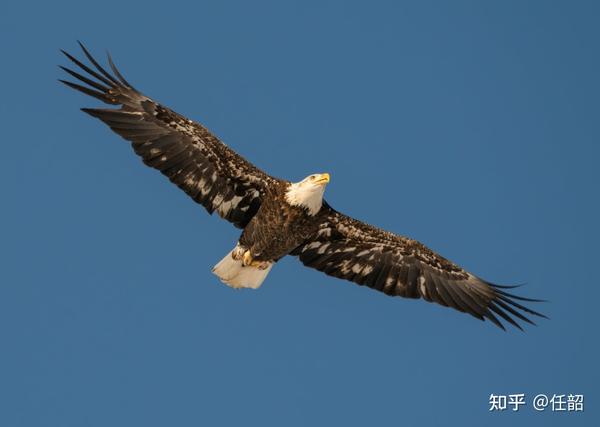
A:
(308, 193)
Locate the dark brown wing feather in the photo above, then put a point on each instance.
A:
(349, 249)
(187, 153)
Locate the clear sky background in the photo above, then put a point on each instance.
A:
(471, 126)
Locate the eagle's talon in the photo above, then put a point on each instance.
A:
(261, 265)
(238, 252)
(248, 261)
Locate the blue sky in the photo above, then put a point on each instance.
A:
(471, 126)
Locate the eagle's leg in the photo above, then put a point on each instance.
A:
(238, 252)
(247, 260)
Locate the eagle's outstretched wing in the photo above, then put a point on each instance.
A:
(187, 153)
(349, 249)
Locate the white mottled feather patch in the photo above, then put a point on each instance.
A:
(323, 248)
(367, 269)
(421, 283)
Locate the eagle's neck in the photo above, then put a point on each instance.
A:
(306, 196)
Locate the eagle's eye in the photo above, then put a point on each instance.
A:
(312, 177)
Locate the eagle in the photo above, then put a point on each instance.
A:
(279, 217)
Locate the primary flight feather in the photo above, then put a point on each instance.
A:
(279, 217)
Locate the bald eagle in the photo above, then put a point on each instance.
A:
(279, 217)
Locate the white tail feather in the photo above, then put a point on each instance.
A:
(233, 273)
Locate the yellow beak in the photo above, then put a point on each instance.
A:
(322, 179)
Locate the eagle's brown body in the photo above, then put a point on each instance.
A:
(278, 227)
